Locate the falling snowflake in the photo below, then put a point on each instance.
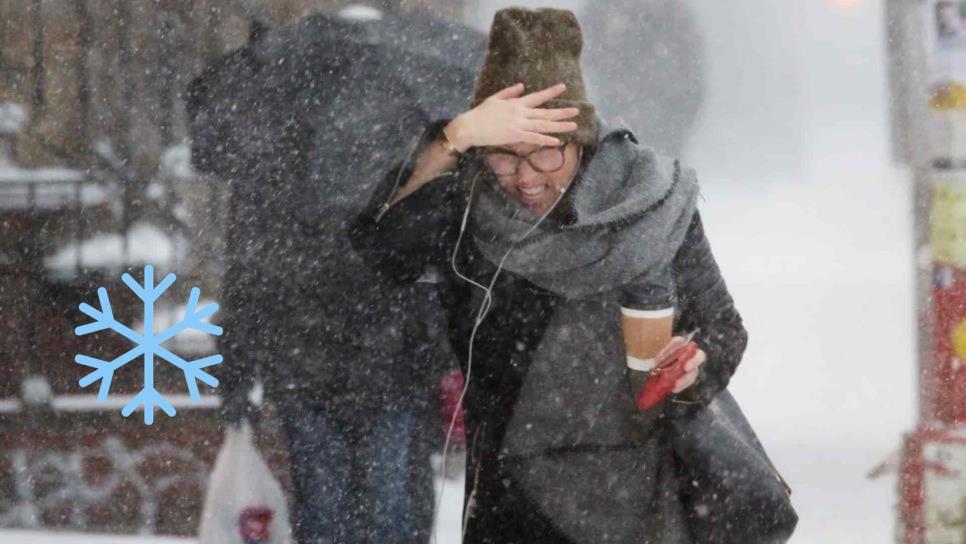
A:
(148, 345)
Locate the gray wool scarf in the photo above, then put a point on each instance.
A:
(632, 209)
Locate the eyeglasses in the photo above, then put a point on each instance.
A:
(504, 162)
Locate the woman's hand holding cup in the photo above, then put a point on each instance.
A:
(509, 117)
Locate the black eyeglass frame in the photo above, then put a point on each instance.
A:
(520, 158)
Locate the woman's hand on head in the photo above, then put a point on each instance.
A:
(510, 117)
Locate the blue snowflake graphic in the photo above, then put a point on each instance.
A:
(148, 345)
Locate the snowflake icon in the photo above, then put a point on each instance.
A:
(148, 345)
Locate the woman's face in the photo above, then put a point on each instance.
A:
(537, 190)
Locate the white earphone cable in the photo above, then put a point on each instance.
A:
(480, 316)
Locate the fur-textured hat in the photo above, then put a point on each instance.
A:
(539, 48)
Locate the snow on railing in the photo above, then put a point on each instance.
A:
(145, 243)
(89, 403)
(59, 471)
(47, 188)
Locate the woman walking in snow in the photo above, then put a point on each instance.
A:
(558, 236)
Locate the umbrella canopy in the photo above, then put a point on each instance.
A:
(363, 89)
(357, 80)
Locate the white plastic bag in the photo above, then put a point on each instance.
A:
(244, 503)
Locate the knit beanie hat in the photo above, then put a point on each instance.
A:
(539, 48)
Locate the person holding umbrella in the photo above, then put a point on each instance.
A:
(298, 123)
(566, 248)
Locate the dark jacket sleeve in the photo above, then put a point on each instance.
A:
(239, 347)
(239, 343)
(402, 240)
(705, 303)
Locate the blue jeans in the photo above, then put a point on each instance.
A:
(362, 477)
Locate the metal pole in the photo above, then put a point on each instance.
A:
(82, 73)
(936, 448)
(79, 232)
(126, 132)
(922, 262)
(39, 68)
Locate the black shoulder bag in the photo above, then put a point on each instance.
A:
(731, 491)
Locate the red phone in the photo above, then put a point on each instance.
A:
(667, 370)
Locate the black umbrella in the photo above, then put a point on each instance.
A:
(362, 90)
(416, 48)
(355, 85)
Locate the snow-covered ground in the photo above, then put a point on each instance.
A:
(822, 273)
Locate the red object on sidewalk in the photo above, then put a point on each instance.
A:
(254, 524)
(668, 370)
(450, 389)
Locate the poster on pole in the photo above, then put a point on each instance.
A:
(947, 241)
(945, 41)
